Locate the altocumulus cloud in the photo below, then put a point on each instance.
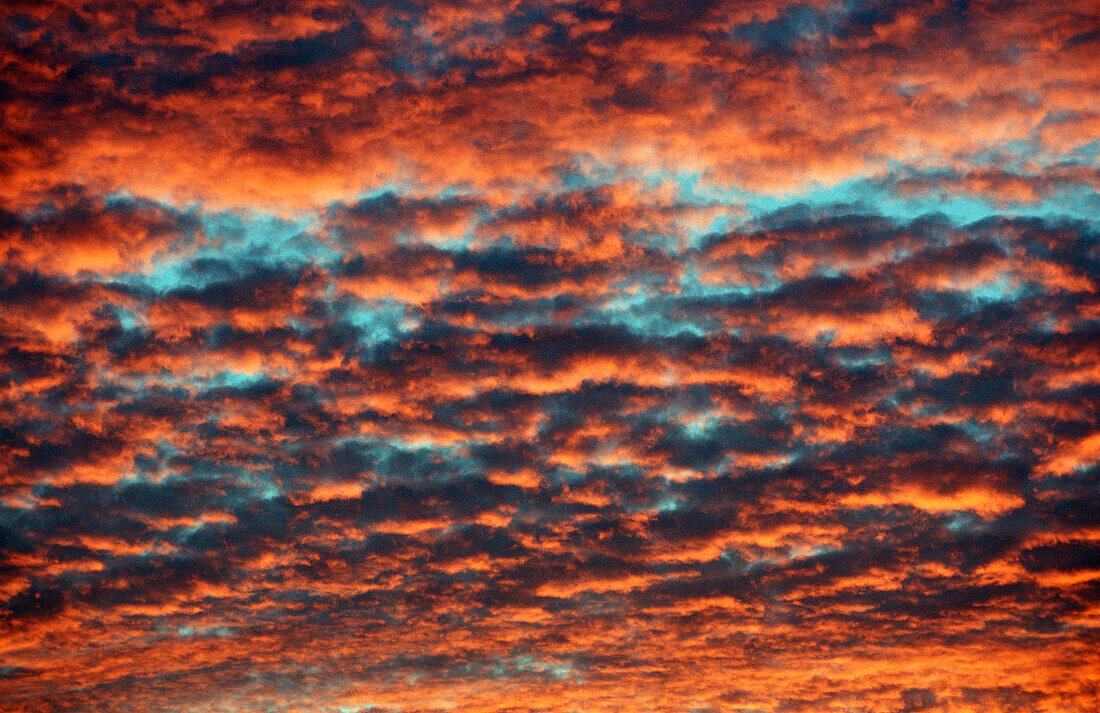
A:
(539, 356)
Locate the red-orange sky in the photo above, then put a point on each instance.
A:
(574, 357)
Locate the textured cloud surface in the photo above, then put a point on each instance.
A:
(532, 356)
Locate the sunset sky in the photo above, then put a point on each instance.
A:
(505, 356)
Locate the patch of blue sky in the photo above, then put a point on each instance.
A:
(266, 237)
(624, 304)
(694, 189)
(1088, 152)
(517, 667)
(127, 319)
(558, 670)
(872, 196)
(237, 238)
(876, 194)
(856, 359)
(961, 209)
(698, 425)
(982, 433)
(230, 380)
(378, 322)
(124, 196)
(964, 521)
(189, 632)
(1002, 289)
(264, 488)
(642, 314)
(668, 504)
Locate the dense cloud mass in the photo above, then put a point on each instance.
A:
(533, 356)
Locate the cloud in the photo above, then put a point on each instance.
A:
(418, 356)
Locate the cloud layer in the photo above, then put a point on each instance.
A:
(550, 356)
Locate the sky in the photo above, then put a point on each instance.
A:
(512, 356)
